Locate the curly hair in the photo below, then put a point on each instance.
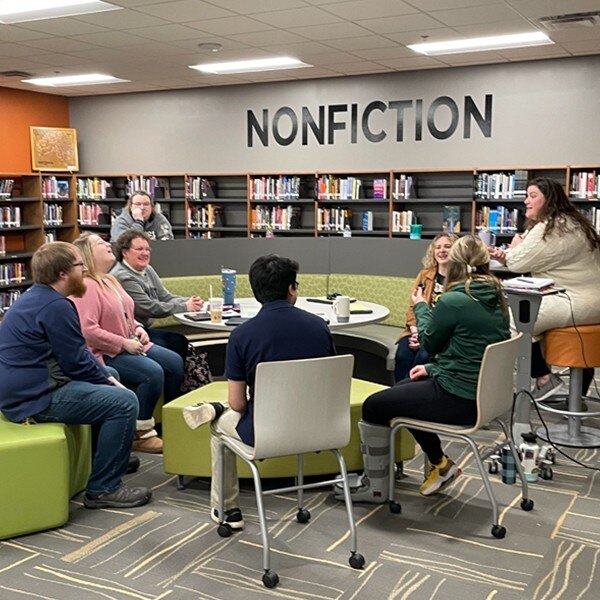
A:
(558, 210)
(429, 261)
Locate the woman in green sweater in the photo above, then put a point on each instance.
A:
(471, 314)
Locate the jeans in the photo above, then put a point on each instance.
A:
(171, 340)
(421, 399)
(149, 374)
(112, 411)
(406, 359)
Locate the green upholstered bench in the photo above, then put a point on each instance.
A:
(41, 467)
(187, 452)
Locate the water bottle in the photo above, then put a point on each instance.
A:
(509, 468)
(529, 453)
(347, 231)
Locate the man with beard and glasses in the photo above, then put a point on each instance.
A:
(49, 375)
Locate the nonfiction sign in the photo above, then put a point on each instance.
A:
(351, 122)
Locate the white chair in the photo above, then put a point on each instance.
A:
(494, 398)
(300, 406)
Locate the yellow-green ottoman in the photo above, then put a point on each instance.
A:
(41, 467)
(187, 451)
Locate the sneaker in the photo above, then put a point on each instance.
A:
(439, 476)
(554, 386)
(133, 465)
(202, 413)
(233, 517)
(122, 497)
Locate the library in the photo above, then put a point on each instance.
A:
(376, 135)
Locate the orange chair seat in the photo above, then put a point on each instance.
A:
(573, 347)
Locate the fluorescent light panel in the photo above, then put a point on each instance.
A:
(495, 42)
(249, 66)
(20, 11)
(72, 80)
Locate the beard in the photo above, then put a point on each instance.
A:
(77, 286)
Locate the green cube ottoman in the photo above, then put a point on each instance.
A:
(41, 467)
(187, 451)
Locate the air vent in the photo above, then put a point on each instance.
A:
(569, 21)
(19, 74)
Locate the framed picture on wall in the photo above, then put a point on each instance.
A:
(54, 149)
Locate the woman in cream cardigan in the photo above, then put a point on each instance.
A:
(559, 243)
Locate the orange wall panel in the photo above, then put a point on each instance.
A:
(18, 111)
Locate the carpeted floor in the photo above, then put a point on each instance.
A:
(439, 547)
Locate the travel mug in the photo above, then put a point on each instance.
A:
(228, 285)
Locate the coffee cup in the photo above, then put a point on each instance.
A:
(216, 310)
(341, 309)
(487, 237)
(228, 285)
(416, 230)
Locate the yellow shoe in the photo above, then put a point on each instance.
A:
(439, 476)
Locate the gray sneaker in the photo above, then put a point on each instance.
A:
(122, 497)
(554, 386)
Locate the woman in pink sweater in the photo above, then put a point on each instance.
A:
(117, 340)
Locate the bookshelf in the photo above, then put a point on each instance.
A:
(359, 200)
(583, 189)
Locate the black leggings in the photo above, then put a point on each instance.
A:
(422, 399)
(539, 367)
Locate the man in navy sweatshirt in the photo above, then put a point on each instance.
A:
(49, 375)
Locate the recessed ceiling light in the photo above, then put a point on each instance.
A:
(495, 42)
(20, 11)
(248, 66)
(70, 80)
(210, 46)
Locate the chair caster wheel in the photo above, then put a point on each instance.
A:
(498, 531)
(493, 468)
(270, 579)
(547, 473)
(357, 561)
(395, 508)
(527, 504)
(224, 530)
(303, 516)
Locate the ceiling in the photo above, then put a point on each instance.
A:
(151, 43)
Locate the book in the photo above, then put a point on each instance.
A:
(528, 283)
(451, 219)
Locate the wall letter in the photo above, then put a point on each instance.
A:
(484, 123)
(399, 106)
(373, 137)
(308, 121)
(285, 141)
(254, 125)
(438, 133)
(333, 126)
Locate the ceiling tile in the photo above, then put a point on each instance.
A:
(192, 45)
(379, 54)
(415, 62)
(419, 22)
(429, 5)
(364, 42)
(329, 58)
(60, 60)
(497, 28)
(543, 8)
(471, 58)
(62, 27)
(365, 9)
(474, 15)
(433, 35)
(270, 37)
(243, 7)
(230, 25)
(331, 31)
(111, 39)
(298, 17)
(60, 44)
(121, 19)
(186, 10)
(531, 53)
(8, 50)
(12, 33)
(303, 50)
(582, 47)
(575, 34)
(359, 68)
(166, 33)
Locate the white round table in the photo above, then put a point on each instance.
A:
(250, 306)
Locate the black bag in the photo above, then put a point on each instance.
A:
(197, 372)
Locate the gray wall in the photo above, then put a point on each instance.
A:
(398, 257)
(544, 113)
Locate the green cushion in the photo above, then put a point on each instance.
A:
(392, 292)
(187, 451)
(41, 467)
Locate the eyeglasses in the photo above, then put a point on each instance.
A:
(141, 249)
(296, 285)
(141, 204)
(79, 264)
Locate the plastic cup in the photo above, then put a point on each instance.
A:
(216, 310)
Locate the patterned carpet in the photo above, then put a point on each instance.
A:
(439, 547)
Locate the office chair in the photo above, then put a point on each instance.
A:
(494, 398)
(300, 406)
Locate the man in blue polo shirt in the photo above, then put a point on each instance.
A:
(280, 331)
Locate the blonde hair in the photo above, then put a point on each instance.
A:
(429, 261)
(83, 242)
(470, 261)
